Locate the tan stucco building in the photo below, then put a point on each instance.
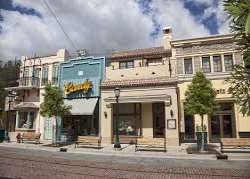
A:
(215, 56)
(153, 82)
(148, 94)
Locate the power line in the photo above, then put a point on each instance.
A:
(60, 25)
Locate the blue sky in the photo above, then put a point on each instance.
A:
(125, 25)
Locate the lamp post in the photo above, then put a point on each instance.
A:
(117, 95)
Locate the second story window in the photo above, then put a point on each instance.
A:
(188, 66)
(55, 74)
(217, 63)
(206, 67)
(45, 72)
(228, 61)
(126, 64)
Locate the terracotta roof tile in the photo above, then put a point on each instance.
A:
(139, 82)
(140, 52)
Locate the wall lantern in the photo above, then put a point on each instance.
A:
(171, 113)
(105, 114)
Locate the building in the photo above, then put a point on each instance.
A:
(35, 73)
(215, 56)
(80, 79)
(148, 102)
(152, 83)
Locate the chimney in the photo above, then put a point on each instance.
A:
(167, 37)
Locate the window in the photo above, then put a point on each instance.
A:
(217, 63)
(188, 66)
(206, 64)
(129, 119)
(55, 74)
(126, 64)
(154, 61)
(26, 120)
(45, 75)
(228, 61)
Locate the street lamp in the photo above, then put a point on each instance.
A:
(117, 95)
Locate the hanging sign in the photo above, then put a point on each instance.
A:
(84, 87)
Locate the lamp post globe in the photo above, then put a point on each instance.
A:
(117, 141)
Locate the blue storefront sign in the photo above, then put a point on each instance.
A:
(80, 80)
(78, 73)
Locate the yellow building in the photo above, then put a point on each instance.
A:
(215, 56)
(148, 94)
(153, 82)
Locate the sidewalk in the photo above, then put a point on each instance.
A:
(178, 152)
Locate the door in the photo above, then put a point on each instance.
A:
(158, 120)
(215, 128)
(189, 127)
(47, 129)
(221, 127)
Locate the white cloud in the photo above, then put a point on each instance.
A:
(95, 25)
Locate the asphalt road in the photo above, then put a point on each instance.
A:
(34, 164)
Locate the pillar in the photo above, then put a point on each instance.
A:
(17, 119)
(171, 119)
(147, 120)
(106, 123)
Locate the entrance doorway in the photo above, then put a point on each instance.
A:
(189, 127)
(222, 123)
(158, 120)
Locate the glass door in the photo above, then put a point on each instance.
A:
(158, 120)
(227, 126)
(215, 128)
(189, 127)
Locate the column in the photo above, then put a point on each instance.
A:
(147, 120)
(171, 119)
(17, 119)
(28, 123)
(106, 123)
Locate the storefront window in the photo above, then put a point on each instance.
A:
(129, 119)
(26, 120)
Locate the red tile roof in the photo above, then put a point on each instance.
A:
(140, 52)
(139, 82)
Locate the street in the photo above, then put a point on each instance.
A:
(27, 163)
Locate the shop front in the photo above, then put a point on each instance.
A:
(80, 79)
(147, 108)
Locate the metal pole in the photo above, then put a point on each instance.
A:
(117, 142)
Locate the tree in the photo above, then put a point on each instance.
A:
(54, 106)
(239, 12)
(200, 99)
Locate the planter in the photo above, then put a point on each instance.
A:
(199, 139)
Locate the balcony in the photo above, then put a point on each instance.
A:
(29, 82)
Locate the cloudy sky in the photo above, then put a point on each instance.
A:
(28, 26)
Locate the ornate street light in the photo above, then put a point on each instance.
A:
(117, 95)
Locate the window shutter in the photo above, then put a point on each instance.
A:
(238, 58)
(197, 64)
(179, 65)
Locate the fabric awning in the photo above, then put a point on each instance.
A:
(82, 106)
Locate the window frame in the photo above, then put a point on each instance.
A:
(217, 66)
(202, 64)
(185, 70)
(126, 64)
(225, 64)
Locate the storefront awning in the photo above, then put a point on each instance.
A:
(82, 106)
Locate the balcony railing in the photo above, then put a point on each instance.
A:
(29, 81)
